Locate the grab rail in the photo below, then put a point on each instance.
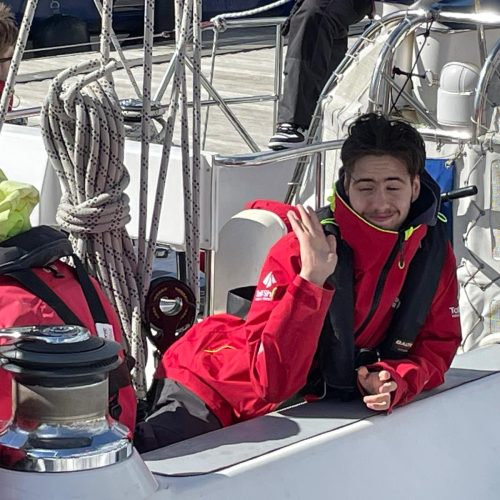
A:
(269, 157)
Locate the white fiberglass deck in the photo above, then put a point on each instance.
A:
(446, 446)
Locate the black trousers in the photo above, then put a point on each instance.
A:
(177, 414)
(317, 42)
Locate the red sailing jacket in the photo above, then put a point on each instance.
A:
(21, 308)
(243, 369)
(11, 100)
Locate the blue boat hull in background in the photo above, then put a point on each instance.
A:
(128, 14)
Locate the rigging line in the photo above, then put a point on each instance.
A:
(143, 247)
(215, 43)
(191, 251)
(196, 144)
(474, 167)
(417, 58)
(218, 21)
(121, 55)
(106, 23)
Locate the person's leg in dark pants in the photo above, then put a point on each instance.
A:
(178, 414)
(317, 43)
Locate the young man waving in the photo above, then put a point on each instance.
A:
(358, 301)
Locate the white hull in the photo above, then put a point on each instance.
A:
(445, 446)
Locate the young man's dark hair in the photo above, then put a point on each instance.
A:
(8, 37)
(374, 134)
(8, 28)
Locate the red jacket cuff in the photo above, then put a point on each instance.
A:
(301, 286)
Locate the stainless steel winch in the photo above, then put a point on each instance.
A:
(60, 419)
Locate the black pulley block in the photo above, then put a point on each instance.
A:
(170, 310)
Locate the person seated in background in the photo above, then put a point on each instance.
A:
(317, 41)
(8, 37)
(359, 301)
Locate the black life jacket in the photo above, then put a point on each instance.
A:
(336, 357)
(39, 247)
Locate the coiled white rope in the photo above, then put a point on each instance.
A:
(83, 130)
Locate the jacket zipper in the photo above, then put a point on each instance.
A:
(381, 283)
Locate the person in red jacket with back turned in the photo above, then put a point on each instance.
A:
(360, 300)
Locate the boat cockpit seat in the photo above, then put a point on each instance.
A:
(244, 242)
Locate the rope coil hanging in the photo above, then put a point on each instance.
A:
(82, 128)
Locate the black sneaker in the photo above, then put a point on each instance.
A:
(287, 136)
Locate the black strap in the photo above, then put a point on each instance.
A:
(40, 289)
(93, 301)
(336, 350)
(37, 287)
(120, 376)
(417, 294)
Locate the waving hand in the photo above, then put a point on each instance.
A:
(318, 252)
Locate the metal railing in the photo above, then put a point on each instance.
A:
(270, 157)
(207, 83)
(215, 99)
(404, 24)
(489, 69)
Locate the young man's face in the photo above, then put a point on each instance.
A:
(381, 190)
(5, 56)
